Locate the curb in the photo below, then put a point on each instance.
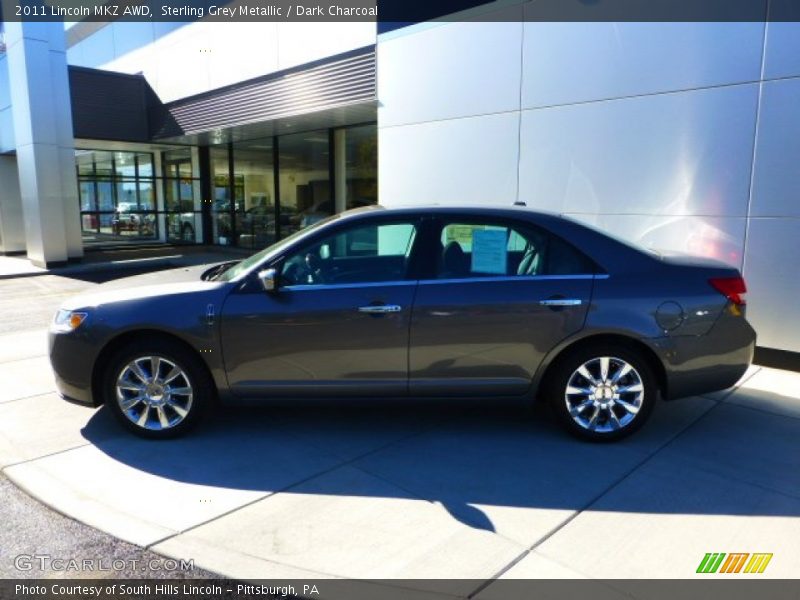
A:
(135, 264)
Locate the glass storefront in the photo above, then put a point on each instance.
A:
(254, 217)
(221, 203)
(116, 194)
(361, 161)
(304, 166)
(260, 190)
(182, 216)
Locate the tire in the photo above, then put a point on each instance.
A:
(607, 412)
(173, 404)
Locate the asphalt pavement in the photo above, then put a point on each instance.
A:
(38, 542)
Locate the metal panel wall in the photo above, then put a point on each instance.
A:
(663, 154)
(567, 63)
(459, 77)
(681, 136)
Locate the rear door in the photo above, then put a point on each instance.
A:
(498, 296)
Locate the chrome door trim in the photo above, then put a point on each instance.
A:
(561, 302)
(380, 309)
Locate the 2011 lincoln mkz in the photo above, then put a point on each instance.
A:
(418, 303)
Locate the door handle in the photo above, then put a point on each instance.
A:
(560, 302)
(378, 309)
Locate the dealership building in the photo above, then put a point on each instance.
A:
(678, 136)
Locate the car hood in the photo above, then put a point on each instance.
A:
(184, 280)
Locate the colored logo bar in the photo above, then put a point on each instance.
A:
(735, 562)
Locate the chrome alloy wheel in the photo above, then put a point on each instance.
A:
(154, 393)
(604, 394)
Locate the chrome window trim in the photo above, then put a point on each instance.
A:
(513, 278)
(345, 286)
(402, 282)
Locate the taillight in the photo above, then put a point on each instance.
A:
(733, 288)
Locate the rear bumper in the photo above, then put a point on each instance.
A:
(708, 363)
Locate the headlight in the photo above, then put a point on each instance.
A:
(68, 320)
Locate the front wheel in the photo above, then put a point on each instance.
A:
(602, 393)
(157, 389)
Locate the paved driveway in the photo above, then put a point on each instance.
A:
(459, 491)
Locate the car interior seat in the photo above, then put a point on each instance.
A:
(531, 261)
(455, 262)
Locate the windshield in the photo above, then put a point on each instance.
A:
(251, 261)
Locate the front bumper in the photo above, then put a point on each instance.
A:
(72, 357)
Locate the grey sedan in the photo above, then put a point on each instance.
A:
(412, 302)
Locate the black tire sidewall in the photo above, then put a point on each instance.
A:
(202, 385)
(556, 388)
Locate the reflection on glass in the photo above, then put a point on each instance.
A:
(116, 195)
(179, 195)
(183, 220)
(178, 163)
(86, 191)
(104, 164)
(126, 195)
(221, 207)
(184, 226)
(125, 164)
(84, 160)
(361, 147)
(144, 165)
(255, 206)
(105, 196)
(147, 200)
(305, 194)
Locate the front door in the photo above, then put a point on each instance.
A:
(498, 298)
(338, 323)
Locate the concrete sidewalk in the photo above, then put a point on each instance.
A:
(420, 493)
(141, 257)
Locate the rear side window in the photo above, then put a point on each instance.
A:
(492, 250)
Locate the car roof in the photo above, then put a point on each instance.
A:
(500, 211)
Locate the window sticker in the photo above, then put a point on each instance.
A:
(489, 252)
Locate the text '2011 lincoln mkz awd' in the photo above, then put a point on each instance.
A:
(412, 302)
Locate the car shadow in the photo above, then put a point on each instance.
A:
(467, 457)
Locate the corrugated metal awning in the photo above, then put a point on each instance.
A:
(342, 86)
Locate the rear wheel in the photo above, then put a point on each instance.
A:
(157, 389)
(602, 393)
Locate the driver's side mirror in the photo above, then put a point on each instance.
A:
(269, 279)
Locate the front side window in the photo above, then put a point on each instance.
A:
(362, 254)
(471, 250)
